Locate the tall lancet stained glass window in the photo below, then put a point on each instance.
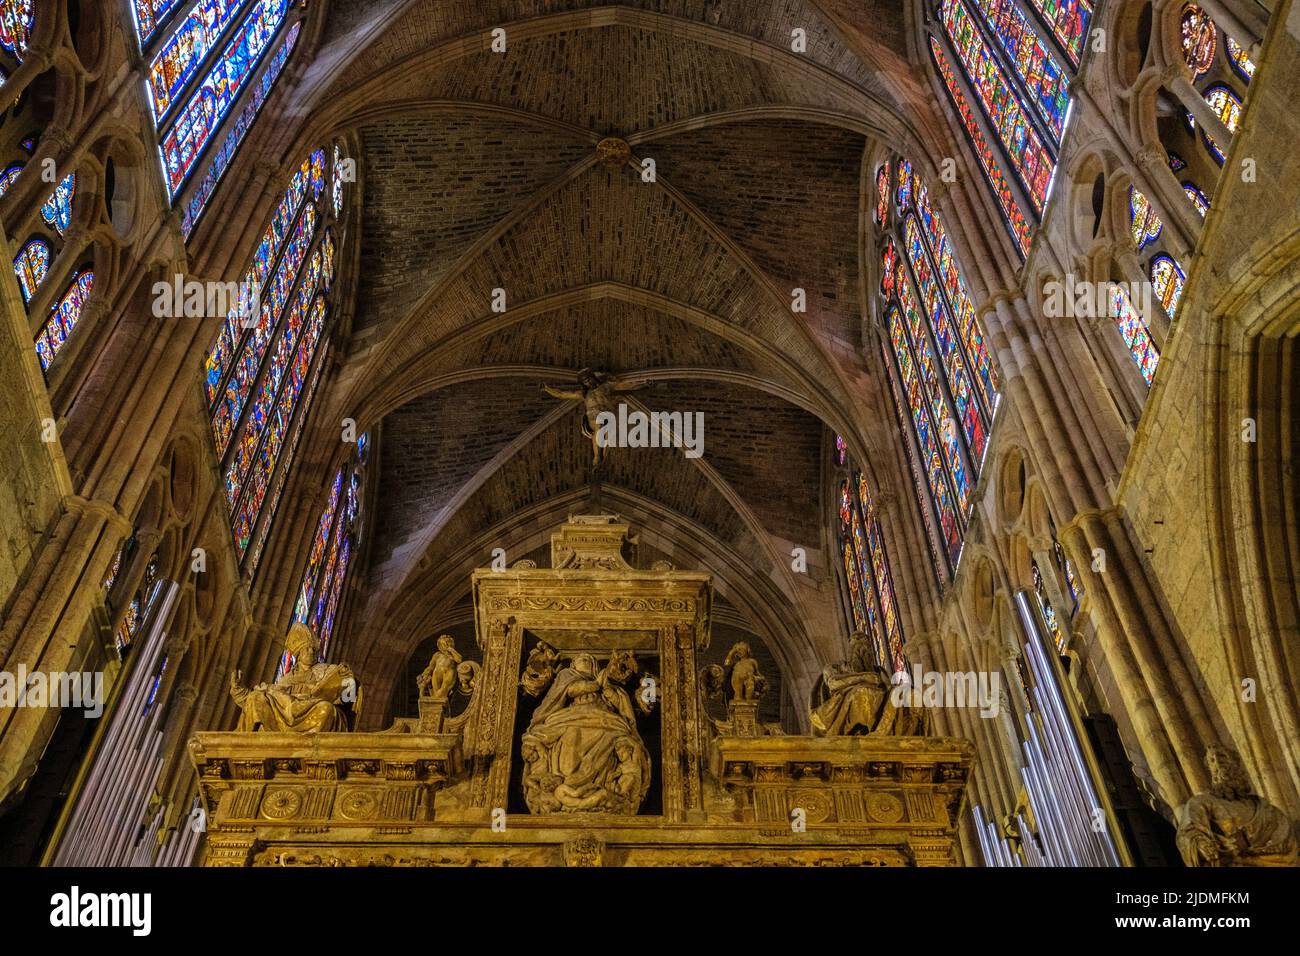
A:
(1008, 76)
(261, 373)
(334, 548)
(206, 62)
(943, 375)
(871, 600)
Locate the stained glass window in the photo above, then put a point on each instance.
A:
(219, 360)
(337, 535)
(1228, 105)
(942, 376)
(881, 578)
(260, 380)
(1134, 332)
(31, 266)
(1167, 277)
(841, 450)
(905, 178)
(129, 625)
(269, 509)
(16, 26)
(225, 155)
(155, 684)
(1041, 76)
(924, 370)
(111, 576)
(1176, 162)
(275, 431)
(57, 211)
(1200, 39)
(1049, 615)
(1016, 222)
(1197, 197)
(136, 612)
(882, 194)
(8, 176)
(149, 14)
(64, 317)
(946, 342)
(1029, 155)
(866, 573)
(197, 121)
(945, 262)
(338, 180)
(1071, 579)
(1143, 221)
(28, 145)
(276, 369)
(182, 55)
(917, 410)
(889, 265)
(1068, 21)
(1240, 61)
(273, 300)
(856, 603)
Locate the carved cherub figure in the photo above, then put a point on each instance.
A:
(539, 669)
(439, 678)
(746, 681)
(596, 390)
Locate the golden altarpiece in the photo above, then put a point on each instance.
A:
(587, 734)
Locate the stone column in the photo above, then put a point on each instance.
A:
(1176, 81)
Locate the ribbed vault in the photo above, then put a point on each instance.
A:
(480, 177)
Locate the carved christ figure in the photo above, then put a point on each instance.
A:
(596, 390)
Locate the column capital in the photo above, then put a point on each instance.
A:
(1152, 156)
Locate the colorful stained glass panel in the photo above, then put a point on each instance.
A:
(57, 211)
(1144, 224)
(64, 317)
(1134, 332)
(221, 160)
(882, 194)
(149, 14)
(946, 342)
(16, 26)
(199, 118)
(1038, 70)
(1068, 20)
(31, 265)
(1240, 60)
(1167, 277)
(1016, 222)
(186, 49)
(1199, 39)
(1198, 199)
(1030, 157)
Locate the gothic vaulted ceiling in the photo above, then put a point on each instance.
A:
(480, 172)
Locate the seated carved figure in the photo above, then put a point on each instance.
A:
(582, 752)
(1230, 825)
(310, 698)
(860, 699)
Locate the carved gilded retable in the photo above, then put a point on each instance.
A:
(416, 796)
